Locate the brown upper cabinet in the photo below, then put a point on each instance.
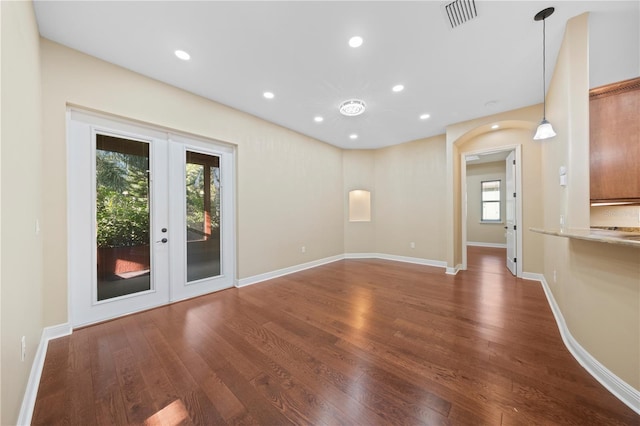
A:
(614, 127)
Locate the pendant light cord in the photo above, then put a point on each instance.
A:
(544, 67)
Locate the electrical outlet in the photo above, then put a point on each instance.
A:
(412, 245)
(303, 249)
(555, 276)
(23, 348)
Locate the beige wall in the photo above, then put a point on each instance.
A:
(597, 285)
(478, 232)
(289, 186)
(410, 196)
(359, 173)
(407, 196)
(289, 196)
(21, 147)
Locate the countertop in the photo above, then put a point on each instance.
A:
(631, 239)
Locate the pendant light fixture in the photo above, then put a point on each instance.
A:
(545, 130)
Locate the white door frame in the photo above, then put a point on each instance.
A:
(463, 200)
(80, 261)
(510, 219)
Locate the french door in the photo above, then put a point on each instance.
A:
(150, 217)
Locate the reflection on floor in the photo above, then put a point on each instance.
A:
(487, 259)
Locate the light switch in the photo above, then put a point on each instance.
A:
(563, 180)
(563, 176)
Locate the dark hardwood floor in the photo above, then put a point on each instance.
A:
(359, 342)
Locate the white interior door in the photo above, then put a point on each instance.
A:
(140, 231)
(511, 224)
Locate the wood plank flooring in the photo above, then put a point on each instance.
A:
(355, 342)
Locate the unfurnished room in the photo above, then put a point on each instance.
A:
(320, 212)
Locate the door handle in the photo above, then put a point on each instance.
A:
(506, 227)
(164, 241)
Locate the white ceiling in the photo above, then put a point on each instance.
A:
(490, 157)
(300, 52)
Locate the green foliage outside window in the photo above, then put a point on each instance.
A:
(122, 203)
(195, 198)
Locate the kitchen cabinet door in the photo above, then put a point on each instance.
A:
(614, 124)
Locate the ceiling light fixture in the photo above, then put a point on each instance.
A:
(545, 130)
(268, 95)
(318, 119)
(398, 88)
(355, 41)
(352, 107)
(353, 136)
(181, 54)
(424, 116)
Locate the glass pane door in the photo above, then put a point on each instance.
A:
(200, 218)
(203, 215)
(122, 217)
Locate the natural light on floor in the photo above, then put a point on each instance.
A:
(173, 414)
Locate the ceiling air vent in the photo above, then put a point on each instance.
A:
(461, 11)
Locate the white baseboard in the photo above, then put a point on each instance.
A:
(360, 255)
(614, 384)
(286, 271)
(491, 245)
(297, 268)
(406, 259)
(533, 277)
(454, 270)
(29, 399)
(416, 260)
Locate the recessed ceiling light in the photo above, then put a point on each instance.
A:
(318, 119)
(352, 107)
(268, 95)
(398, 88)
(353, 136)
(355, 41)
(181, 54)
(495, 126)
(424, 116)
